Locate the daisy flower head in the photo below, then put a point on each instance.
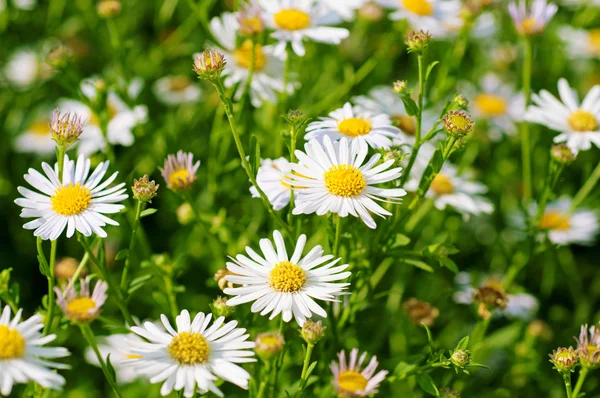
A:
(564, 227)
(279, 284)
(348, 378)
(271, 180)
(579, 123)
(180, 170)
(24, 68)
(192, 357)
(176, 90)
(331, 178)
(77, 201)
(37, 137)
(297, 20)
(116, 345)
(531, 21)
(23, 357)
(376, 130)
(581, 43)
(267, 79)
(588, 346)
(85, 306)
(439, 17)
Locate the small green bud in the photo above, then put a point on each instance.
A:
(59, 56)
(312, 332)
(144, 190)
(564, 359)
(209, 64)
(220, 308)
(461, 101)
(448, 393)
(418, 41)
(562, 154)
(269, 345)
(458, 123)
(400, 86)
(460, 358)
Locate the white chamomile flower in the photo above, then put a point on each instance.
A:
(176, 89)
(267, 80)
(579, 123)
(279, 284)
(331, 178)
(192, 357)
(296, 20)
(116, 345)
(581, 43)
(531, 20)
(350, 380)
(564, 227)
(438, 17)
(376, 130)
(79, 202)
(24, 68)
(23, 357)
(448, 188)
(270, 179)
(37, 137)
(344, 9)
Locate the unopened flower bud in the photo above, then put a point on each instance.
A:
(59, 56)
(220, 308)
(461, 101)
(220, 278)
(460, 358)
(312, 332)
(144, 190)
(489, 297)
(400, 86)
(108, 8)
(564, 359)
(448, 393)
(269, 345)
(393, 154)
(65, 268)
(251, 23)
(458, 123)
(65, 128)
(417, 41)
(420, 312)
(562, 154)
(209, 64)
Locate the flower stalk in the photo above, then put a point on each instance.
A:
(88, 334)
(525, 136)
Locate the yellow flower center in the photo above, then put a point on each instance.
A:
(555, 220)
(178, 84)
(491, 104)
(442, 185)
(582, 121)
(345, 180)
(12, 344)
(354, 127)
(69, 200)
(352, 381)
(287, 277)
(178, 178)
(528, 26)
(405, 123)
(79, 308)
(189, 348)
(292, 19)
(40, 128)
(595, 39)
(419, 7)
(270, 340)
(243, 56)
(460, 122)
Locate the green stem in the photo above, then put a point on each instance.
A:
(81, 266)
(554, 171)
(307, 356)
(585, 190)
(51, 283)
(136, 223)
(248, 82)
(279, 361)
(479, 331)
(417, 146)
(171, 296)
(567, 379)
(88, 334)
(261, 389)
(582, 375)
(338, 229)
(525, 136)
(287, 66)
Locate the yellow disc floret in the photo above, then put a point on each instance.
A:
(419, 7)
(243, 56)
(292, 19)
(442, 185)
(594, 40)
(69, 200)
(189, 348)
(287, 277)
(354, 127)
(555, 220)
(351, 381)
(12, 344)
(79, 308)
(179, 178)
(529, 26)
(491, 104)
(345, 180)
(581, 121)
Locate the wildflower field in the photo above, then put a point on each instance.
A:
(299, 198)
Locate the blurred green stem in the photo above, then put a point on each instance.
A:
(168, 281)
(567, 379)
(88, 334)
(307, 356)
(525, 136)
(279, 361)
(479, 331)
(338, 229)
(51, 283)
(580, 380)
(586, 189)
(136, 223)
(81, 265)
(248, 83)
(554, 171)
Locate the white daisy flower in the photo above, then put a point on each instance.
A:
(564, 228)
(24, 68)
(175, 90)
(37, 137)
(282, 285)
(578, 122)
(116, 346)
(26, 5)
(448, 188)
(193, 357)
(348, 378)
(270, 179)
(267, 80)
(86, 305)
(533, 20)
(296, 20)
(581, 43)
(78, 203)
(23, 357)
(439, 17)
(376, 130)
(331, 178)
(344, 9)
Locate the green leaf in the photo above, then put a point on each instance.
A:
(418, 263)
(122, 254)
(110, 367)
(403, 368)
(410, 105)
(477, 365)
(426, 383)
(429, 335)
(147, 212)
(430, 68)
(400, 240)
(450, 264)
(463, 343)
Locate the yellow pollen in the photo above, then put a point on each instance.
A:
(287, 277)
(292, 19)
(243, 56)
(594, 39)
(189, 348)
(419, 7)
(555, 220)
(582, 121)
(442, 185)
(354, 127)
(12, 344)
(528, 26)
(179, 83)
(405, 123)
(491, 104)
(345, 180)
(352, 381)
(69, 200)
(270, 341)
(40, 128)
(178, 176)
(460, 122)
(79, 308)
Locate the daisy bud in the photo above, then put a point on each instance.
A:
(371, 11)
(460, 358)
(65, 268)
(251, 24)
(562, 154)
(220, 278)
(461, 101)
(59, 56)
(209, 64)
(144, 190)
(417, 41)
(82, 307)
(458, 123)
(400, 86)
(108, 8)
(394, 154)
(179, 171)
(295, 119)
(420, 312)
(490, 297)
(65, 128)
(220, 308)
(185, 213)
(312, 332)
(448, 393)
(269, 345)
(564, 359)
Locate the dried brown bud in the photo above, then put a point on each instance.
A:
(420, 312)
(490, 297)
(220, 278)
(65, 268)
(108, 8)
